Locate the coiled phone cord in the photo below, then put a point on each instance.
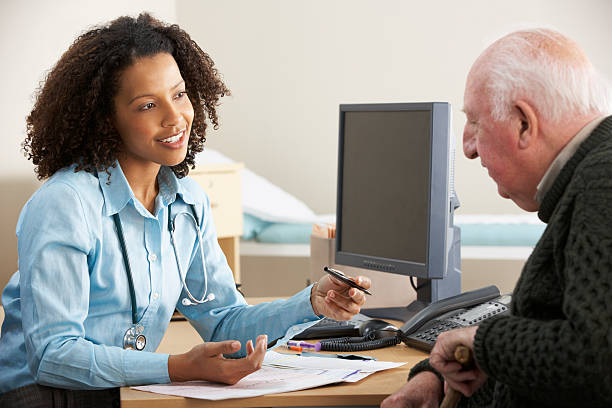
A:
(358, 343)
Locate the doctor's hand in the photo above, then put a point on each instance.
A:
(332, 298)
(206, 362)
(442, 358)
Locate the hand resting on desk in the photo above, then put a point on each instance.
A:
(332, 298)
(206, 362)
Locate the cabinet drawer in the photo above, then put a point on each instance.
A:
(223, 190)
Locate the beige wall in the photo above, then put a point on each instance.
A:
(290, 63)
(33, 35)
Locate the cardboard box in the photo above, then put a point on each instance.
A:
(322, 252)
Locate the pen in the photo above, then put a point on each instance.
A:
(304, 345)
(343, 278)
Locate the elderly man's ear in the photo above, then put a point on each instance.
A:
(526, 122)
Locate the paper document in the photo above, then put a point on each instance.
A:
(279, 373)
(360, 368)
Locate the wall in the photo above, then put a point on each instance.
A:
(33, 35)
(290, 63)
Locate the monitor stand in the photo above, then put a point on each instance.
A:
(400, 313)
(429, 291)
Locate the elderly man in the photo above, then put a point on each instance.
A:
(537, 118)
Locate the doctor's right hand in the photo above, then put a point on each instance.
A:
(206, 362)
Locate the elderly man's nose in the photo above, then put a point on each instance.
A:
(469, 146)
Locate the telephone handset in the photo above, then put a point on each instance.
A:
(466, 309)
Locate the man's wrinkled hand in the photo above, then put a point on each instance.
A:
(442, 358)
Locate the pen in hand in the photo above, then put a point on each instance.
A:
(345, 279)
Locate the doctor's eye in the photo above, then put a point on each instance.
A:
(147, 106)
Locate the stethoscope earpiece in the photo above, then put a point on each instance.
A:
(187, 302)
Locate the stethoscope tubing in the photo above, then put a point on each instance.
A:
(128, 269)
(134, 333)
(171, 228)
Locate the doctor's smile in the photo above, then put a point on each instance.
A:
(172, 140)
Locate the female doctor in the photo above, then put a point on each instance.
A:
(114, 129)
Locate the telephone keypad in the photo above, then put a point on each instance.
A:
(425, 338)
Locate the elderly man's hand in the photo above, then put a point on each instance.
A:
(442, 358)
(337, 300)
(424, 390)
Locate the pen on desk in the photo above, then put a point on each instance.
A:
(304, 345)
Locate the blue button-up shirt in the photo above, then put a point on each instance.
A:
(68, 307)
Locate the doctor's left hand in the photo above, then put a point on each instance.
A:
(337, 300)
(206, 362)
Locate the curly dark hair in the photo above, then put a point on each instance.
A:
(71, 122)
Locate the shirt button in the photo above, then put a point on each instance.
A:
(152, 257)
(156, 296)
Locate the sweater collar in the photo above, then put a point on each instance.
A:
(601, 134)
(564, 155)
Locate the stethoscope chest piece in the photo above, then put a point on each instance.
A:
(134, 339)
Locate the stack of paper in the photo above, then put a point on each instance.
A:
(279, 373)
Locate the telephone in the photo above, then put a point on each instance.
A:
(421, 331)
(465, 309)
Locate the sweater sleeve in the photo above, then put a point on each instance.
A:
(421, 366)
(482, 397)
(566, 359)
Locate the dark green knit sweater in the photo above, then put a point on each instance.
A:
(555, 349)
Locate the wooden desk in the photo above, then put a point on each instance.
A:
(370, 391)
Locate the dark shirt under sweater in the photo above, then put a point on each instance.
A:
(555, 349)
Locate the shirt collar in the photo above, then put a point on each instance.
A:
(563, 157)
(118, 193)
(171, 186)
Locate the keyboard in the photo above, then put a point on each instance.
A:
(328, 328)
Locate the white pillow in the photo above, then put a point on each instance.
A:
(260, 197)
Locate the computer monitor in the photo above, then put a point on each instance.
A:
(395, 198)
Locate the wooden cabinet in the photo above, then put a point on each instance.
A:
(222, 184)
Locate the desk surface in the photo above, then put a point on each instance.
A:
(180, 337)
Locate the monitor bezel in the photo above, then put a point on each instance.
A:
(439, 199)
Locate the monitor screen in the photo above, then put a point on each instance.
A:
(385, 184)
(393, 188)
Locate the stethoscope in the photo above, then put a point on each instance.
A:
(134, 339)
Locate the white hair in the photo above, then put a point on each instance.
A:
(549, 70)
